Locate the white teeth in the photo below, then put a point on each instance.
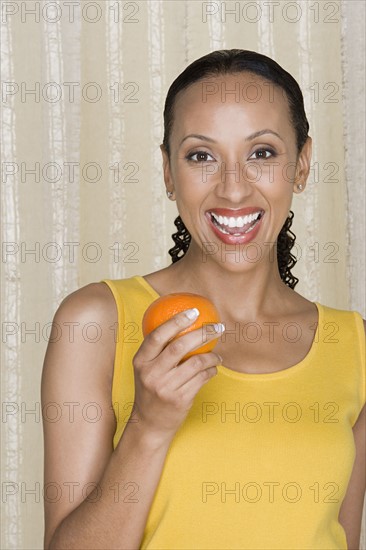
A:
(239, 221)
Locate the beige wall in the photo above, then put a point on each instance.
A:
(121, 224)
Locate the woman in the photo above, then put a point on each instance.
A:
(257, 444)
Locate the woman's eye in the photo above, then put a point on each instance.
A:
(201, 156)
(262, 153)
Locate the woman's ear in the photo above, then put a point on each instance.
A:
(166, 170)
(303, 165)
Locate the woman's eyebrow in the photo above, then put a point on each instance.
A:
(248, 138)
(198, 136)
(261, 132)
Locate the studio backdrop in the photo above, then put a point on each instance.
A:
(83, 196)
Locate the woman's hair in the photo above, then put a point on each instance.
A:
(222, 62)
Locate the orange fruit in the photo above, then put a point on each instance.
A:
(165, 307)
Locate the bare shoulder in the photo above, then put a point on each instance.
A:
(82, 343)
(91, 309)
(92, 298)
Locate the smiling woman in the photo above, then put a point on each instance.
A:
(260, 443)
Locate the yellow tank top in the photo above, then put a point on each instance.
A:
(262, 461)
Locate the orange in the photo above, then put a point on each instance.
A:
(165, 307)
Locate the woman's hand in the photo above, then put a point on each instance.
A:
(165, 389)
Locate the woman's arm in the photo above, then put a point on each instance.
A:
(79, 425)
(350, 515)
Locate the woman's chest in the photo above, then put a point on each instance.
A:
(265, 347)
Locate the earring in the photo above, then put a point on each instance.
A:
(300, 187)
(169, 194)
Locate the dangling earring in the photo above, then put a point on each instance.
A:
(169, 194)
(300, 187)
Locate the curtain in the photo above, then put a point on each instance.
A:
(83, 196)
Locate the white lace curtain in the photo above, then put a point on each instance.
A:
(83, 198)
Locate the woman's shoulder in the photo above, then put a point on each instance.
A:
(346, 315)
(345, 312)
(82, 335)
(94, 297)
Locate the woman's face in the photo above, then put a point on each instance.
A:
(244, 155)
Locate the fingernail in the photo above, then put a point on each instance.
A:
(192, 313)
(219, 327)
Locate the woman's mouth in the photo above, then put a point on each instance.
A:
(236, 229)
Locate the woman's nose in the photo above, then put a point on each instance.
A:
(235, 180)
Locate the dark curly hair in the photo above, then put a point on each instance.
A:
(221, 62)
